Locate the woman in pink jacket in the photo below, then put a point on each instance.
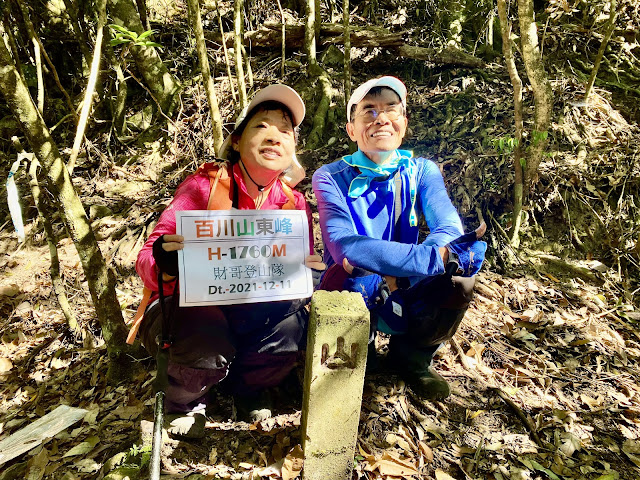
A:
(252, 347)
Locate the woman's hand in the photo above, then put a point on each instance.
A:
(165, 253)
(317, 266)
(172, 243)
(315, 262)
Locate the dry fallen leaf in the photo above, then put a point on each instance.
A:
(82, 448)
(441, 475)
(37, 465)
(426, 451)
(293, 463)
(5, 365)
(391, 465)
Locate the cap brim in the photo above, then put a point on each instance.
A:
(279, 93)
(393, 83)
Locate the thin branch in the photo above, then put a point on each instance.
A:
(91, 85)
(284, 38)
(36, 53)
(32, 32)
(226, 53)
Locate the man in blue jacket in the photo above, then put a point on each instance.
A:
(370, 204)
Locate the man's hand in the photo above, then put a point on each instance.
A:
(480, 230)
(468, 252)
(347, 266)
(391, 280)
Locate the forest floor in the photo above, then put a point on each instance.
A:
(543, 374)
(543, 369)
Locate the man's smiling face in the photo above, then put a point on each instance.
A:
(376, 137)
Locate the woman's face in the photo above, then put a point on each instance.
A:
(267, 142)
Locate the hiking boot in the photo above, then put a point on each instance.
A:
(413, 364)
(428, 384)
(252, 408)
(186, 425)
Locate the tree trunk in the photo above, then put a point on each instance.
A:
(142, 11)
(611, 23)
(163, 85)
(542, 93)
(309, 45)
(45, 211)
(505, 27)
(347, 50)
(237, 51)
(7, 22)
(314, 139)
(100, 279)
(270, 36)
(247, 60)
(207, 79)
(283, 32)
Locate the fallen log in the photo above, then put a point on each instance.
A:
(447, 56)
(270, 36)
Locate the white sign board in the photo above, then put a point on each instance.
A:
(243, 256)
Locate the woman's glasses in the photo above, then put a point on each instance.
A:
(393, 112)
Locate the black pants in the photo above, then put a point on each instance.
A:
(433, 310)
(250, 346)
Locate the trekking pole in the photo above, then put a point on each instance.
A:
(160, 385)
(163, 342)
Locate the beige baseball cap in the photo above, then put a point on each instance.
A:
(277, 92)
(393, 83)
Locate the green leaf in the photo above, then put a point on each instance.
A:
(608, 476)
(119, 41)
(84, 447)
(148, 44)
(539, 467)
(145, 34)
(120, 29)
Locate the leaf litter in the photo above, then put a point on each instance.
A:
(543, 369)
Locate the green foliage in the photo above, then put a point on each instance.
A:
(139, 455)
(538, 137)
(505, 145)
(123, 36)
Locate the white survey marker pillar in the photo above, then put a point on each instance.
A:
(333, 381)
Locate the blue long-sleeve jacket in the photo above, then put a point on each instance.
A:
(362, 229)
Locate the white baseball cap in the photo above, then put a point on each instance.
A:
(277, 92)
(393, 83)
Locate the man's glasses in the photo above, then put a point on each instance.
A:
(393, 112)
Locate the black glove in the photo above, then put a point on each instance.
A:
(466, 253)
(167, 262)
(316, 277)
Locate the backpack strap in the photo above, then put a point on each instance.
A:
(222, 187)
(137, 319)
(291, 203)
